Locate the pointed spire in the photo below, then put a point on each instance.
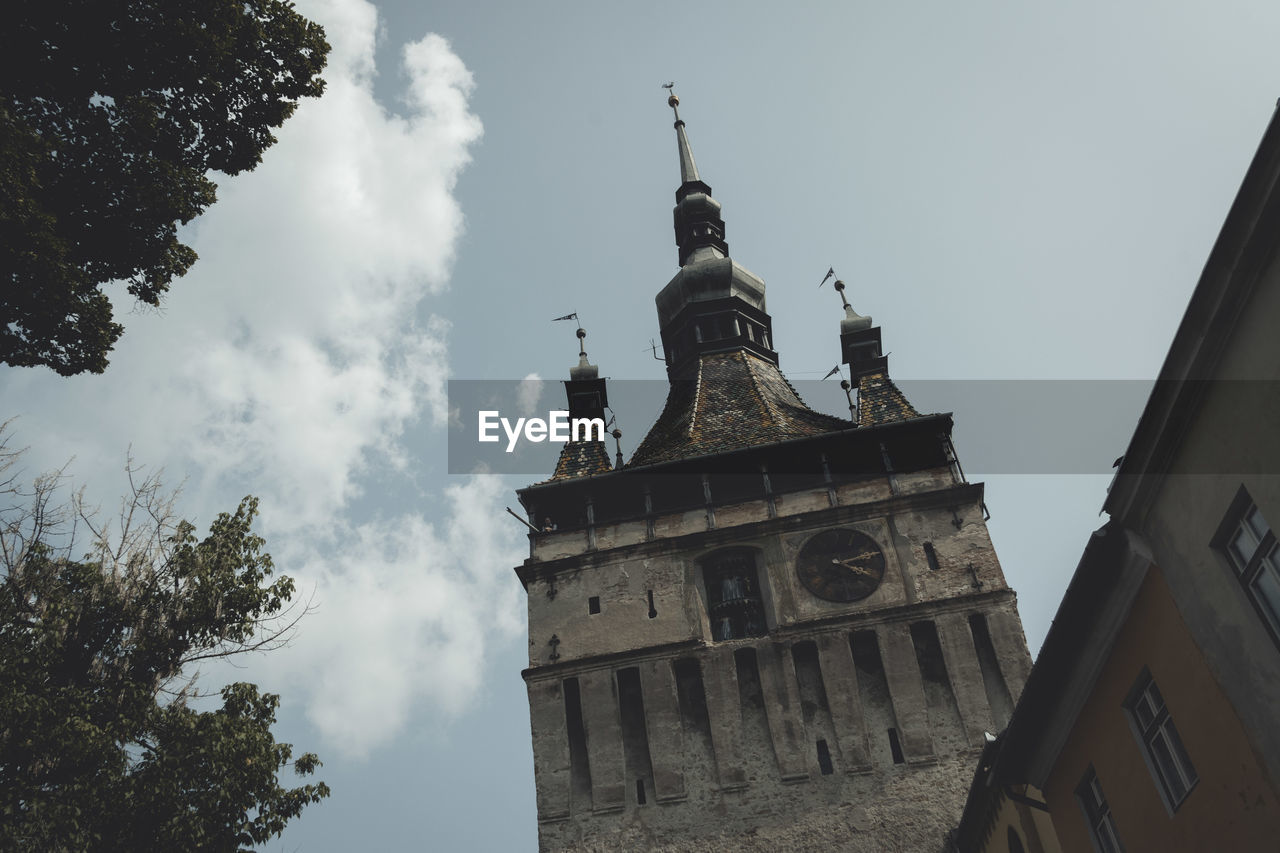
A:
(697, 215)
(688, 168)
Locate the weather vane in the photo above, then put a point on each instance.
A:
(839, 286)
(844, 383)
(582, 346)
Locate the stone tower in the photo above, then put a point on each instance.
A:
(772, 629)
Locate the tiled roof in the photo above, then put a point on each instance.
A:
(582, 459)
(738, 400)
(880, 401)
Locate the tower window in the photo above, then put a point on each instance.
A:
(895, 747)
(734, 602)
(583, 401)
(931, 555)
(593, 605)
(824, 758)
(717, 327)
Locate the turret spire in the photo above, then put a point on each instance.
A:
(587, 399)
(878, 398)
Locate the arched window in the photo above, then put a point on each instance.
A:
(1015, 843)
(734, 603)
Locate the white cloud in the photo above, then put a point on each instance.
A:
(406, 608)
(291, 362)
(528, 393)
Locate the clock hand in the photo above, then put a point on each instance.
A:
(858, 569)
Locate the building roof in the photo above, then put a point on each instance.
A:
(582, 459)
(880, 401)
(1245, 246)
(737, 400)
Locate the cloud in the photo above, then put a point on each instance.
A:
(528, 393)
(292, 362)
(406, 610)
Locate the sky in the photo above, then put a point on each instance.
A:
(1013, 191)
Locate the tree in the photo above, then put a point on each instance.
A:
(112, 112)
(101, 748)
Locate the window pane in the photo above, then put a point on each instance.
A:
(1157, 701)
(1180, 755)
(1257, 523)
(1144, 712)
(1094, 799)
(1163, 754)
(1266, 589)
(1241, 548)
(1108, 840)
(1097, 814)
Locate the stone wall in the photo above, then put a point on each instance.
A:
(836, 726)
(860, 734)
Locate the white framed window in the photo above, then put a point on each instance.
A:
(1097, 814)
(1158, 738)
(1250, 546)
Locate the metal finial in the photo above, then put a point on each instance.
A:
(581, 333)
(848, 394)
(673, 100)
(853, 321)
(839, 286)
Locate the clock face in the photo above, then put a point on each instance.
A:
(840, 565)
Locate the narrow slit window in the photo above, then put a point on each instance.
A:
(824, 758)
(640, 798)
(653, 611)
(593, 605)
(931, 555)
(895, 746)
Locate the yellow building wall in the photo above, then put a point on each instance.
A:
(1233, 806)
(1033, 826)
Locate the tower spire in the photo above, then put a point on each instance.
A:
(688, 168)
(697, 215)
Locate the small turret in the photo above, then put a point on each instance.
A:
(588, 398)
(878, 398)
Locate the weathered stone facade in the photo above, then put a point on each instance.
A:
(777, 741)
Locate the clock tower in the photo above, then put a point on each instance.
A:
(772, 628)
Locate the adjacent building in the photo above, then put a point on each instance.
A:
(1149, 721)
(771, 628)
